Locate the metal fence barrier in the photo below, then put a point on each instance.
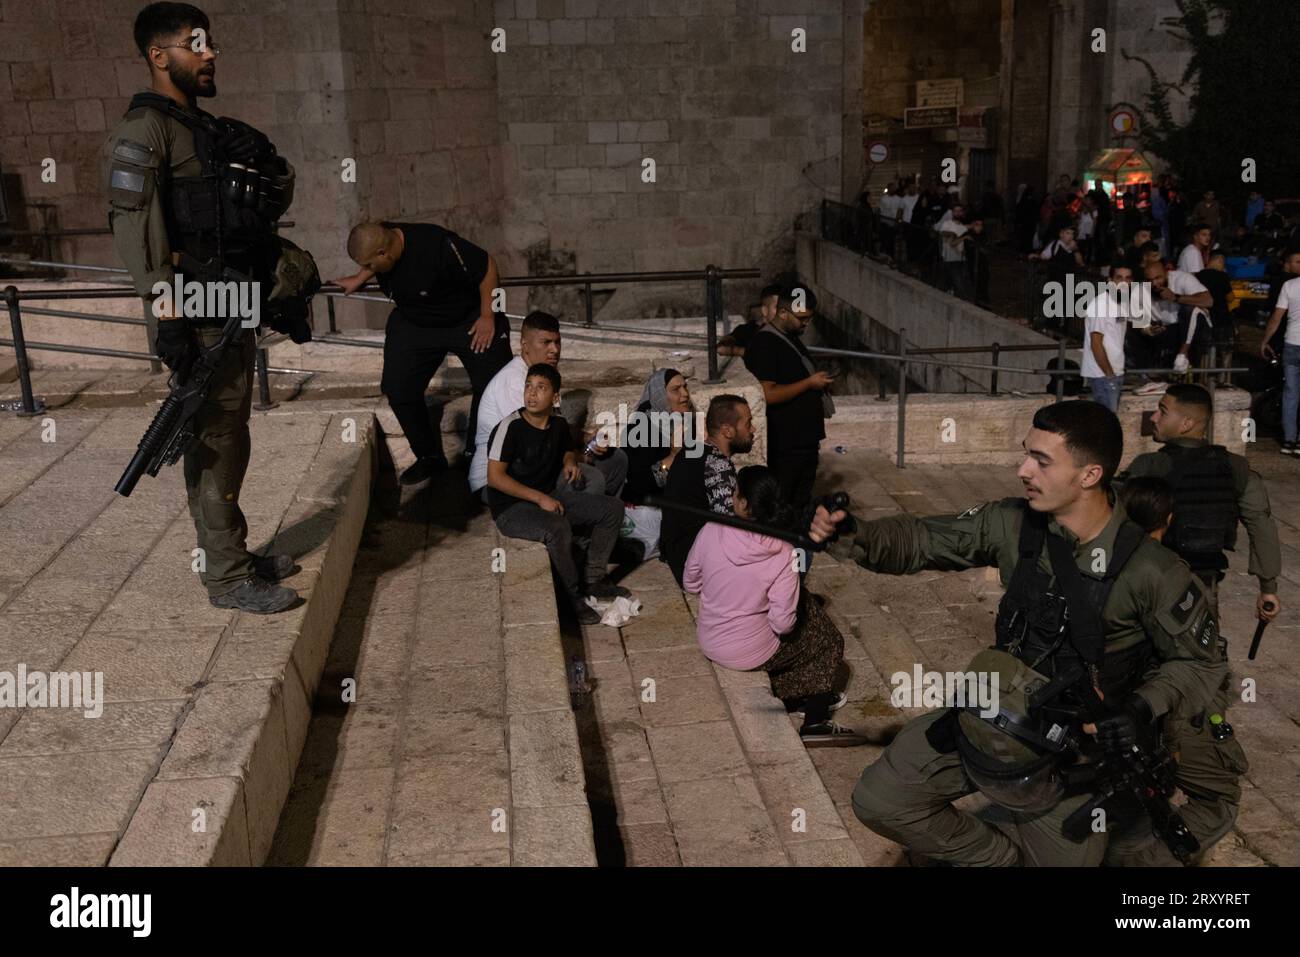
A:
(712, 276)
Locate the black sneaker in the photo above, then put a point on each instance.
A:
(1291, 448)
(275, 568)
(828, 734)
(257, 596)
(423, 470)
(606, 590)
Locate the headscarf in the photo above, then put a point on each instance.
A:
(656, 390)
(656, 394)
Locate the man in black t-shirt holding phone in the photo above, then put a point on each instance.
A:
(441, 286)
(797, 395)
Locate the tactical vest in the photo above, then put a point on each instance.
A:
(1205, 505)
(1052, 622)
(227, 212)
(1061, 635)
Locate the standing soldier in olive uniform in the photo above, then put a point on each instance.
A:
(1213, 490)
(1151, 647)
(168, 164)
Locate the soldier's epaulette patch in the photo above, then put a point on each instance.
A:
(1182, 609)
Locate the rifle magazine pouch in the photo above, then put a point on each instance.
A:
(132, 175)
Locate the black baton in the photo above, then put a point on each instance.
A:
(704, 515)
(1259, 632)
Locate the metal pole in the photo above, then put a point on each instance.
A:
(590, 319)
(902, 395)
(1060, 368)
(329, 304)
(29, 405)
(993, 377)
(1210, 387)
(711, 322)
(263, 383)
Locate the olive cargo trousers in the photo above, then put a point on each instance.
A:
(215, 466)
(907, 795)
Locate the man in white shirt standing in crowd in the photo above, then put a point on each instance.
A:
(604, 469)
(1288, 304)
(1105, 322)
(1196, 254)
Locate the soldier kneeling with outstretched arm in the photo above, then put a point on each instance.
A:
(1101, 632)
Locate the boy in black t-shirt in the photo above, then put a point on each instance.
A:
(535, 492)
(442, 287)
(797, 395)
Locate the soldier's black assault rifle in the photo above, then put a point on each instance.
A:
(172, 430)
(832, 503)
(1145, 776)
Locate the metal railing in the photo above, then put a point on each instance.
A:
(904, 359)
(712, 276)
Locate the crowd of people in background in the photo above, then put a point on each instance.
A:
(1180, 241)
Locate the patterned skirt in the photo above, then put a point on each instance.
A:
(809, 657)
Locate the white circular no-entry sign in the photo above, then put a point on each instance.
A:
(878, 152)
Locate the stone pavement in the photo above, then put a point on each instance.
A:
(204, 709)
(690, 763)
(941, 619)
(459, 746)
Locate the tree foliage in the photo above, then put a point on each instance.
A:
(1244, 82)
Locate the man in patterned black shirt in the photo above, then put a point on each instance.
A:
(704, 479)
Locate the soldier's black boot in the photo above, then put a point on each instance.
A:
(257, 596)
(275, 568)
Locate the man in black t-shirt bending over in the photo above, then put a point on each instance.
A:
(441, 286)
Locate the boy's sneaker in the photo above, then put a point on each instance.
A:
(423, 470)
(1291, 448)
(606, 590)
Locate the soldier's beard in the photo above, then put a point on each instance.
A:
(188, 81)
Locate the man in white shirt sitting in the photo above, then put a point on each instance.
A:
(1196, 254)
(605, 468)
(1105, 323)
(1182, 308)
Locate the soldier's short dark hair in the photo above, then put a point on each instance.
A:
(723, 410)
(543, 370)
(1091, 432)
(1193, 395)
(160, 20)
(1149, 502)
(538, 321)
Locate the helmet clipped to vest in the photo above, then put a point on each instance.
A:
(1014, 756)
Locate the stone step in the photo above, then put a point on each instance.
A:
(205, 710)
(460, 748)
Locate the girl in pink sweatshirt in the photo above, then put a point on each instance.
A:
(753, 615)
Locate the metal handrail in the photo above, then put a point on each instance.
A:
(713, 277)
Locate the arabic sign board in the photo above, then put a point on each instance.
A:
(928, 117)
(939, 92)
